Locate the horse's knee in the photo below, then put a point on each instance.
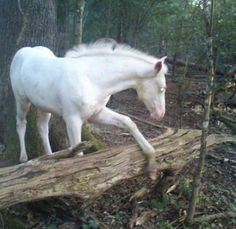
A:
(20, 124)
(42, 127)
(42, 130)
(128, 123)
(42, 124)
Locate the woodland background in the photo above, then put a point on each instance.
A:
(167, 27)
(178, 29)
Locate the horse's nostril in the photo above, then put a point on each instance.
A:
(158, 115)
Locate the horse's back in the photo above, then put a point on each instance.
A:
(25, 61)
(34, 76)
(28, 53)
(35, 50)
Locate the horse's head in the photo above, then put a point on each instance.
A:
(151, 90)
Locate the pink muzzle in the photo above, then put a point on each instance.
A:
(158, 114)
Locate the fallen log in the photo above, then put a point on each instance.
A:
(229, 122)
(193, 66)
(197, 67)
(67, 173)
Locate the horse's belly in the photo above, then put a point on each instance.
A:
(45, 100)
(47, 107)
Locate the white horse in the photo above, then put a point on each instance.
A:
(78, 87)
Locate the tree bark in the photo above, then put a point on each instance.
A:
(79, 21)
(22, 23)
(193, 66)
(66, 173)
(205, 124)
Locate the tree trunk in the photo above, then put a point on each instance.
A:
(66, 173)
(205, 124)
(79, 21)
(22, 23)
(193, 66)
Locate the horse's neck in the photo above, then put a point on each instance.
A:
(118, 73)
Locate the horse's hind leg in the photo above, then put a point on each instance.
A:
(43, 120)
(22, 108)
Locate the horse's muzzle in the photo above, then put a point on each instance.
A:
(158, 115)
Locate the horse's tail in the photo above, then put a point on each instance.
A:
(16, 66)
(16, 63)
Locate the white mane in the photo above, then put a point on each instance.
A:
(107, 49)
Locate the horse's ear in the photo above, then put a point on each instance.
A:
(158, 66)
(163, 59)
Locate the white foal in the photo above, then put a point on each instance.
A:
(78, 87)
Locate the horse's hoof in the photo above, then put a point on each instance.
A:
(23, 159)
(152, 170)
(153, 175)
(81, 154)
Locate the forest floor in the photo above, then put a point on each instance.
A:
(114, 210)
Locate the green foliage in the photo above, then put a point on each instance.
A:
(185, 188)
(52, 226)
(232, 207)
(163, 27)
(16, 223)
(90, 225)
(234, 221)
(161, 204)
(201, 199)
(120, 216)
(156, 203)
(165, 225)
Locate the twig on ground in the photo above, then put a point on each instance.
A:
(144, 121)
(221, 159)
(2, 221)
(145, 217)
(205, 218)
(67, 153)
(139, 194)
(173, 187)
(102, 225)
(134, 217)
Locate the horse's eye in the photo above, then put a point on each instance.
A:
(162, 89)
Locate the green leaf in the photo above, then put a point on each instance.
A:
(52, 226)
(160, 204)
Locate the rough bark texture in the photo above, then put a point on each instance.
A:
(31, 23)
(205, 125)
(193, 66)
(79, 21)
(66, 173)
(23, 23)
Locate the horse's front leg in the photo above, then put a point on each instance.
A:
(74, 128)
(107, 116)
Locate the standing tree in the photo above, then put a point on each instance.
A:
(79, 24)
(34, 23)
(22, 23)
(207, 105)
